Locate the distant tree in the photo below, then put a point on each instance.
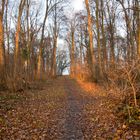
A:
(62, 61)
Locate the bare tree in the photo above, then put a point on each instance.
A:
(91, 51)
(2, 50)
(103, 36)
(98, 38)
(62, 61)
(17, 36)
(40, 61)
(57, 17)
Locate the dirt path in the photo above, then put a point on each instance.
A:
(74, 112)
(52, 112)
(57, 110)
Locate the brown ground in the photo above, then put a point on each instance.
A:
(61, 109)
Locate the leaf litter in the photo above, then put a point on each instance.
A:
(62, 109)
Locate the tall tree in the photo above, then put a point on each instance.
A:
(98, 37)
(130, 37)
(72, 50)
(103, 36)
(17, 64)
(50, 6)
(91, 45)
(55, 38)
(58, 18)
(111, 26)
(2, 50)
(40, 55)
(138, 26)
(28, 39)
(7, 29)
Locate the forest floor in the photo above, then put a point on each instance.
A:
(62, 109)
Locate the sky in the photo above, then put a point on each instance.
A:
(77, 5)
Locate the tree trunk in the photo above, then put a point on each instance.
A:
(98, 39)
(103, 39)
(53, 68)
(81, 48)
(2, 50)
(40, 55)
(91, 53)
(17, 38)
(8, 39)
(111, 27)
(138, 27)
(72, 66)
(130, 43)
(28, 43)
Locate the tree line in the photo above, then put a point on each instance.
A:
(103, 41)
(27, 45)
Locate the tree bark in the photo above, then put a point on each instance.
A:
(8, 38)
(72, 70)
(98, 38)
(111, 27)
(17, 38)
(28, 42)
(91, 50)
(138, 27)
(2, 50)
(103, 38)
(130, 43)
(40, 61)
(53, 67)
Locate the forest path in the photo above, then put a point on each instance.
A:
(51, 110)
(74, 111)
(58, 109)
